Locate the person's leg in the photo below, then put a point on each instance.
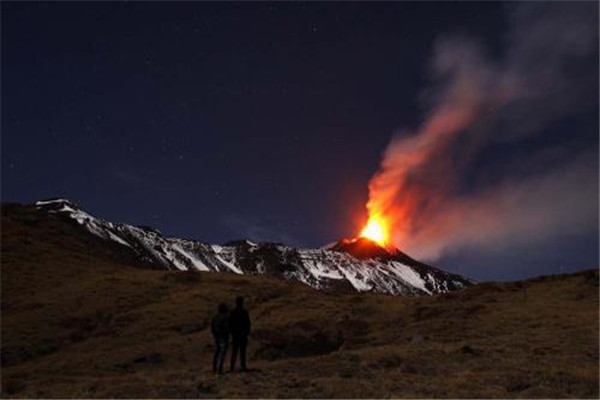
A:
(222, 355)
(216, 357)
(243, 343)
(234, 351)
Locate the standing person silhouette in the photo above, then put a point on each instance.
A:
(239, 325)
(219, 327)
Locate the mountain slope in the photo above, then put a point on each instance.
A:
(78, 322)
(342, 266)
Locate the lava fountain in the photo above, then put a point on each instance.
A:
(376, 230)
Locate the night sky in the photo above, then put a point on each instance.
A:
(216, 121)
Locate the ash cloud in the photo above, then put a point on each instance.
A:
(494, 163)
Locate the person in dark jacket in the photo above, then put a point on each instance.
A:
(239, 325)
(219, 326)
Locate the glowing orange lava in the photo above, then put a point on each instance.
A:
(376, 230)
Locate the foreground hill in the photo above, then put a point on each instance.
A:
(78, 324)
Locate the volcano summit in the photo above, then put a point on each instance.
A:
(350, 264)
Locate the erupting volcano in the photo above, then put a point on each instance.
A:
(361, 263)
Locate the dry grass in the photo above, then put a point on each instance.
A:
(77, 324)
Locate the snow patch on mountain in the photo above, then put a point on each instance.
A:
(408, 275)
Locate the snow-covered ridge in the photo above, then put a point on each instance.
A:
(323, 268)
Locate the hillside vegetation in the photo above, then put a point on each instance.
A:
(77, 323)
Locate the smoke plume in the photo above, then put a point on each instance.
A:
(494, 162)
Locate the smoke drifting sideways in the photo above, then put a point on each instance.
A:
(494, 163)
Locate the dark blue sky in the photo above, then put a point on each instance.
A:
(214, 121)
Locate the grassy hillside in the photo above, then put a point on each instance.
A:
(77, 323)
